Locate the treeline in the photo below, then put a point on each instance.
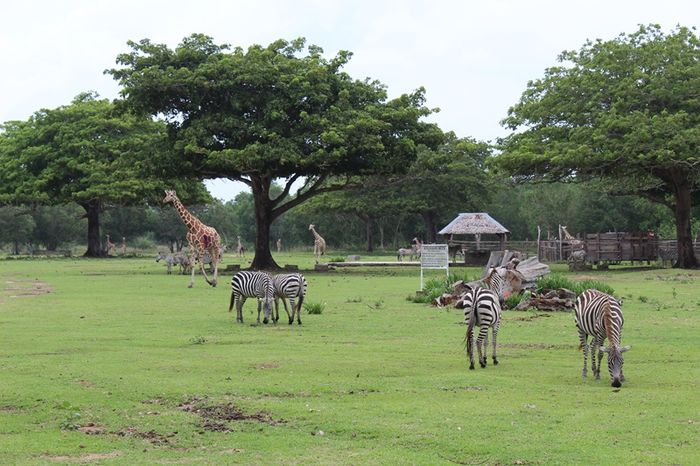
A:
(521, 208)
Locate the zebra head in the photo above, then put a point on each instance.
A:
(615, 363)
(269, 297)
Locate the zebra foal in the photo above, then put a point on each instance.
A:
(599, 316)
(482, 309)
(291, 286)
(247, 284)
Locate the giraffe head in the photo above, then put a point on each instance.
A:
(170, 196)
(311, 227)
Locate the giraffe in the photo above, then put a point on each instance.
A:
(319, 243)
(279, 244)
(123, 245)
(240, 249)
(109, 246)
(201, 238)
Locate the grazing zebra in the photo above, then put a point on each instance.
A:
(292, 285)
(169, 261)
(403, 252)
(247, 284)
(599, 315)
(481, 307)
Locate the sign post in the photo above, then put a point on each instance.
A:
(433, 256)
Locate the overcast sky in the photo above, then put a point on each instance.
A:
(473, 57)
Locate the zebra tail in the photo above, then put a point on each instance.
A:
(233, 300)
(469, 337)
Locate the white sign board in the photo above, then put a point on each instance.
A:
(433, 256)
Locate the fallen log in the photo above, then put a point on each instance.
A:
(546, 304)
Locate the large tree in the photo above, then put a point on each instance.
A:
(269, 113)
(85, 152)
(625, 110)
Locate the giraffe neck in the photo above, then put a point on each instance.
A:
(190, 221)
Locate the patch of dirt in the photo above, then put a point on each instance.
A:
(17, 288)
(531, 317)
(9, 409)
(536, 346)
(151, 436)
(85, 383)
(215, 417)
(92, 429)
(267, 365)
(83, 458)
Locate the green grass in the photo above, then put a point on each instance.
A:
(159, 373)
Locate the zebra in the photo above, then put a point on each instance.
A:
(496, 282)
(403, 252)
(599, 315)
(248, 284)
(482, 308)
(292, 285)
(169, 261)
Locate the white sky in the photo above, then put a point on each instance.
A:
(473, 57)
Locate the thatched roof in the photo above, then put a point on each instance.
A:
(472, 224)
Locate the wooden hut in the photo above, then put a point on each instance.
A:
(476, 225)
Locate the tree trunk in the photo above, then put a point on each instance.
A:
(430, 228)
(381, 238)
(686, 255)
(263, 220)
(369, 220)
(92, 213)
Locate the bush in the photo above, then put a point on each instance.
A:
(554, 281)
(314, 308)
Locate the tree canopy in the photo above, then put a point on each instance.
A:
(85, 152)
(625, 110)
(266, 113)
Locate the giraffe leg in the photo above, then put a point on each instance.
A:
(192, 261)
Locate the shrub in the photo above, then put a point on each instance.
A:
(314, 308)
(554, 281)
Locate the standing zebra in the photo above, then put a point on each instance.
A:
(481, 307)
(292, 285)
(599, 315)
(247, 284)
(496, 282)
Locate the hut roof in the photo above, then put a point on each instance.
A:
(474, 223)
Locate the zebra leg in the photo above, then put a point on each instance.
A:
(584, 346)
(239, 309)
(470, 348)
(290, 318)
(265, 318)
(276, 313)
(486, 346)
(600, 360)
(192, 261)
(495, 335)
(594, 351)
(479, 341)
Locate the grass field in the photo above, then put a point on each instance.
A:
(114, 362)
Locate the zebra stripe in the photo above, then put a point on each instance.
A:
(496, 282)
(251, 285)
(292, 285)
(599, 316)
(482, 308)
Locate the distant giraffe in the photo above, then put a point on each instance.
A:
(240, 249)
(201, 238)
(319, 243)
(417, 245)
(109, 246)
(279, 244)
(123, 246)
